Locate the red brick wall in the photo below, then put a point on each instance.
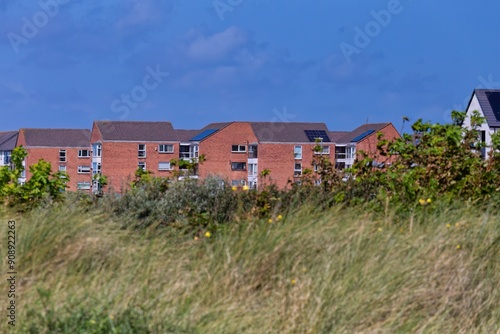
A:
(280, 160)
(120, 161)
(369, 144)
(51, 155)
(217, 151)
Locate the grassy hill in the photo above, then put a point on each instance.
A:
(341, 271)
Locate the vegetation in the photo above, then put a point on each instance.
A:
(407, 240)
(312, 271)
(42, 185)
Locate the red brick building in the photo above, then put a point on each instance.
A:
(119, 148)
(67, 150)
(240, 151)
(348, 144)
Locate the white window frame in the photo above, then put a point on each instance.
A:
(297, 152)
(80, 155)
(143, 151)
(83, 185)
(297, 171)
(236, 183)
(139, 165)
(96, 150)
(84, 169)
(162, 148)
(62, 169)
(61, 154)
(164, 168)
(244, 164)
(239, 148)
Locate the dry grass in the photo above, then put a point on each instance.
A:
(336, 272)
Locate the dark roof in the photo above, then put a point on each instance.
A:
(8, 140)
(184, 135)
(285, 132)
(336, 135)
(57, 137)
(360, 133)
(204, 134)
(489, 100)
(136, 131)
(209, 130)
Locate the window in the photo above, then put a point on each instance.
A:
(238, 182)
(297, 170)
(7, 157)
(297, 152)
(164, 166)
(316, 168)
(62, 169)
(142, 165)
(238, 165)
(96, 168)
(351, 152)
(194, 151)
(326, 150)
(62, 155)
(83, 153)
(96, 150)
(340, 165)
(238, 148)
(83, 169)
(165, 148)
(83, 186)
(141, 152)
(252, 169)
(340, 152)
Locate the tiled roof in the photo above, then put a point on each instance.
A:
(136, 131)
(489, 100)
(184, 135)
(57, 137)
(8, 140)
(336, 135)
(285, 132)
(355, 135)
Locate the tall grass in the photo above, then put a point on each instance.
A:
(340, 271)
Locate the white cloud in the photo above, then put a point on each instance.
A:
(217, 46)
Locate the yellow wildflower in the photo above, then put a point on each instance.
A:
(380, 229)
(458, 246)
(429, 200)
(92, 322)
(245, 187)
(270, 220)
(448, 225)
(196, 238)
(207, 234)
(421, 201)
(234, 188)
(293, 282)
(280, 217)
(457, 224)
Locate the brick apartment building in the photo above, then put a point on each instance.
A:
(8, 142)
(240, 151)
(348, 144)
(119, 148)
(237, 152)
(67, 150)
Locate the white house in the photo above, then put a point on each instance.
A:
(8, 142)
(487, 103)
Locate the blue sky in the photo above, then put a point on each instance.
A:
(65, 63)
